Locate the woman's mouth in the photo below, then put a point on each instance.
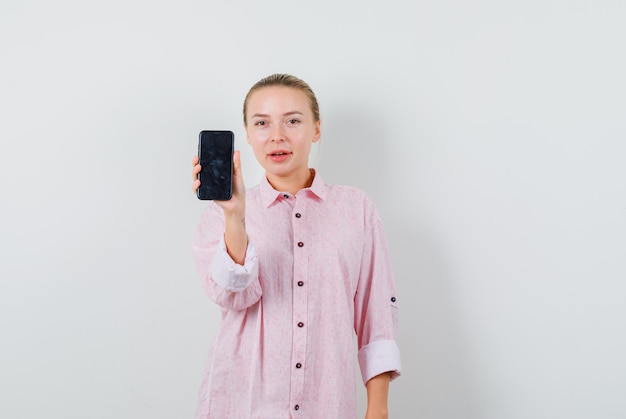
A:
(279, 155)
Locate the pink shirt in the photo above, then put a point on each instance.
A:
(316, 271)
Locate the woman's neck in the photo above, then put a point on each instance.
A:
(292, 183)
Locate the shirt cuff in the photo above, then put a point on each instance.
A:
(230, 275)
(378, 357)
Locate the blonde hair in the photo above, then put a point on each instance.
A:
(285, 80)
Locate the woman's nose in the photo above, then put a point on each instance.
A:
(277, 135)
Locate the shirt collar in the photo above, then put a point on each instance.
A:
(269, 194)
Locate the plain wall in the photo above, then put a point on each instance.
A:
(492, 136)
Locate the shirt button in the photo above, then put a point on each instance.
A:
(298, 215)
(300, 324)
(298, 365)
(286, 196)
(393, 299)
(300, 244)
(300, 283)
(297, 407)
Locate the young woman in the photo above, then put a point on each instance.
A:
(297, 266)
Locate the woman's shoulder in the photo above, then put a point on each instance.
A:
(350, 195)
(347, 191)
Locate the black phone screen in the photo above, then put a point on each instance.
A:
(215, 151)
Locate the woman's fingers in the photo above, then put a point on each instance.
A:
(195, 169)
(237, 162)
(238, 185)
(195, 185)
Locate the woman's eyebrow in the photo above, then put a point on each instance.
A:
(262, 115)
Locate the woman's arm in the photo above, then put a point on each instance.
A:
(375, 321)
(377, 392)
(234, 210)
(226, 262)
(235, 236)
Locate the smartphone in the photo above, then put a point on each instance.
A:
(215, 152)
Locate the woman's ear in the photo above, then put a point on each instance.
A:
(317, 133)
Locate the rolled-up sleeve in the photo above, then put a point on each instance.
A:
(228, 284)
(376, 305)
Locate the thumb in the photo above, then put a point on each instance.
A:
(237, 162)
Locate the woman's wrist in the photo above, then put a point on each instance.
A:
(376, 413)
(235, 218)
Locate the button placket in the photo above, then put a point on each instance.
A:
(301, 269)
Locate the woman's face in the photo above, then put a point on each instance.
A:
(281, 129)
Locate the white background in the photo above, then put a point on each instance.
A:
(491, 134)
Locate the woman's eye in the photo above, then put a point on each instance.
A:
(259, 123)
(293, 121)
